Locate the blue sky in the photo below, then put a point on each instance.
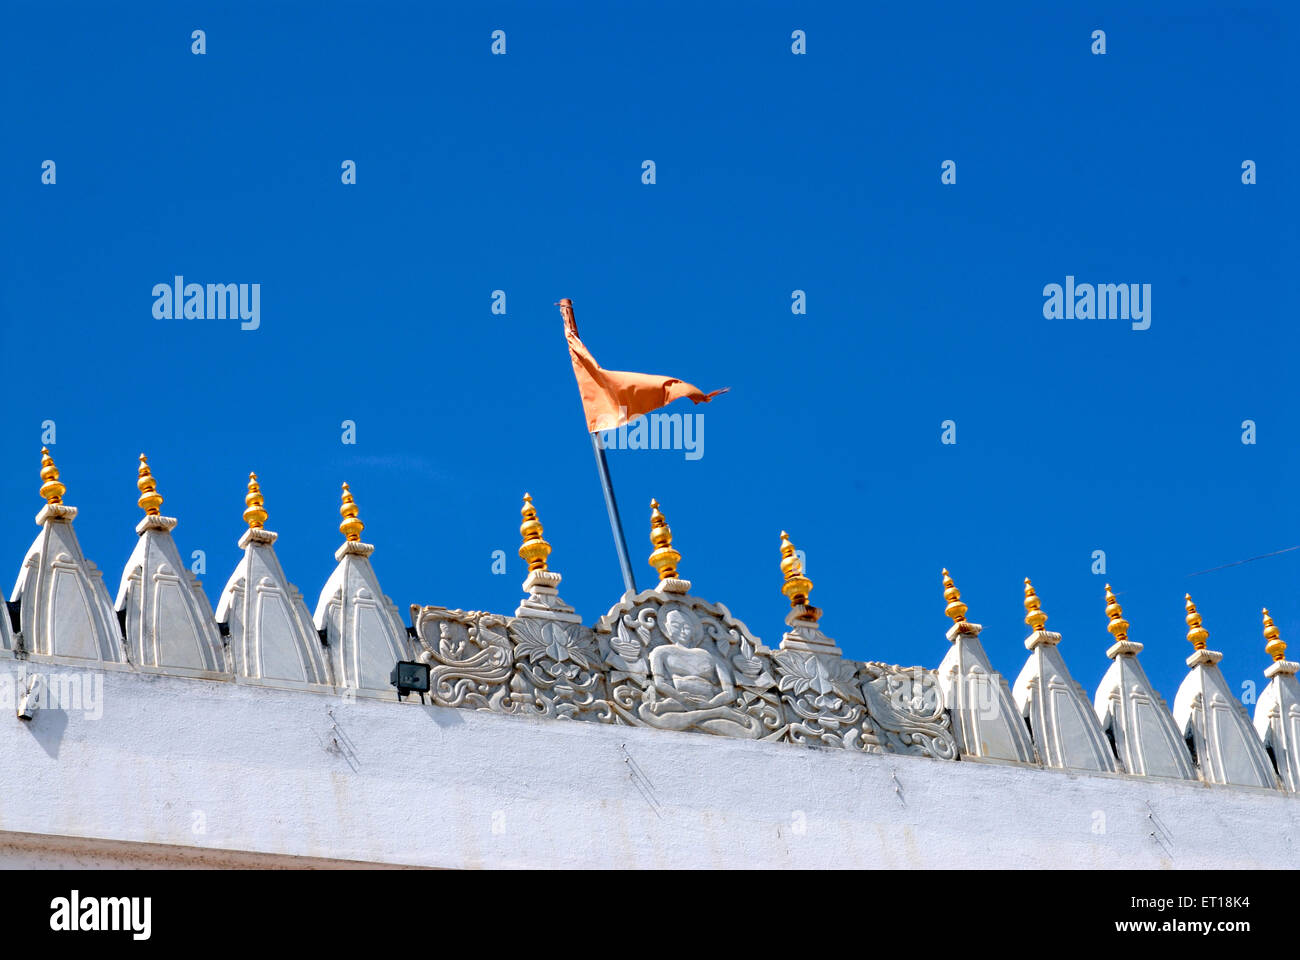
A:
(775, 172)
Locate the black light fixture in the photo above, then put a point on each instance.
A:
(410, 676)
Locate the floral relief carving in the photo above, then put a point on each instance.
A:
(821, 696)
(557, 671)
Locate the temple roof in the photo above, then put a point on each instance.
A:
(666, 658)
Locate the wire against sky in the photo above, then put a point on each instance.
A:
(1237, 563)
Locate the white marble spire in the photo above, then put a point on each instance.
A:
(1060, 716)
(1224, 742)
(1147, 741)
(169, 622)
(985, 718)
(362, 627)
(66, 611)
(270, 632)
(1277, 712)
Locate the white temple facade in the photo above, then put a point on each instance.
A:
(155, 731)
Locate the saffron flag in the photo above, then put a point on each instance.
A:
(611, 398)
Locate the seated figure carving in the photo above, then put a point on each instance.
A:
(691, 683)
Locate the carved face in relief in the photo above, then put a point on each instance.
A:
(678, 625)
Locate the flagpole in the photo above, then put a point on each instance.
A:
(611, 505)
(606, 485)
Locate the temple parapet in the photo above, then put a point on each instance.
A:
(663, 658)
(678, 662)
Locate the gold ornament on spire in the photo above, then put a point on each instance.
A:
(956, 610)
(1034, 607)
(1275, 647)
(797, 586)
(1197, 634)
(535, 550)
(150, 499)
(351, 526)
(254, 515)
(1118, 626)
(665, 558)
(51, 489)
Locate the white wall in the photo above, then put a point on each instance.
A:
(273, 773)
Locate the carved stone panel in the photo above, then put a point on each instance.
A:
(906, 711)
(677, 662)
(822, 697)
(469, 655)
(558, 671)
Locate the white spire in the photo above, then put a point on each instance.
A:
(1147, 742)
(1060, 717)
(169, 623)
(66, 610)
(270, 631)
(365, 634)
(1227, 749)
(985, 718)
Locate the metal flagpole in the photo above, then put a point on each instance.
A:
(606, 485)
(611, 505)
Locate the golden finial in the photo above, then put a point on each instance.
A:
(1197, 635)
(150, 499)
(956, 610)
(351, 526)
(796, 586)
(535, 550)
(1118, 626)
(254, 516)
(665, 558)
(1275, 647)
(51, 489)
(1035, 616)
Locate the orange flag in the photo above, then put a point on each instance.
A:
(611, 398)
